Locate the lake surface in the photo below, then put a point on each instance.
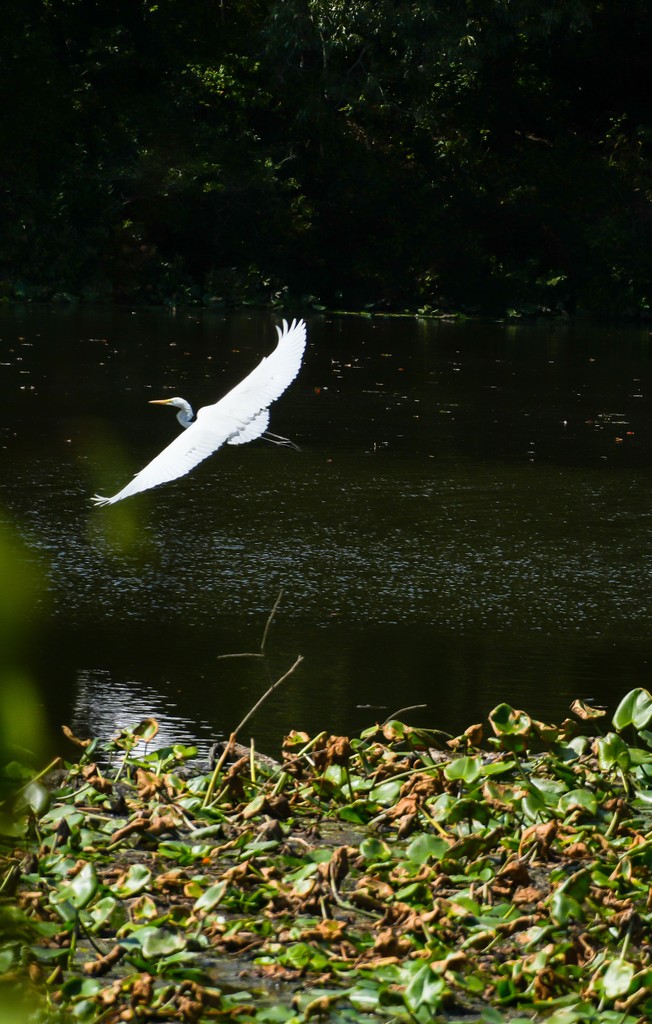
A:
(469, 520)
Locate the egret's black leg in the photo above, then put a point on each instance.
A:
(277, 439)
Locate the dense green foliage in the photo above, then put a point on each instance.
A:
(398, 876)
(475, 154)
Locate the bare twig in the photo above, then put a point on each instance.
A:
(261, 652)
(234, 735)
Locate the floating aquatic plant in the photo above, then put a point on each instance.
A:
(400, 875)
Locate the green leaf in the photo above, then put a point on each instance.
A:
(364, 998)
(634, 709)
(440, 808)
(276, 1014)
(386, 793)
(506, 720)
(617, 979)
(426, 846)
(498, 768)
(577, 885)
(37, 797)
(564, 909)
(579, 799)
(76, 987)
(144, 909)
(6, 960)
(425, 989)
(491, 1016)
(107, 912)
(79, 891)
(467, 769)
(69, 812)
(146, 729)
(137, 878)
(211, 897)
(375, 849)
(155, 942)
(613, 752)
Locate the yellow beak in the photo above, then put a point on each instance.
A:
(159, 401)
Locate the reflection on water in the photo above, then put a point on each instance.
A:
(102, 706)
(468, 520)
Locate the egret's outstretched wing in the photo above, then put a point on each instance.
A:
(268, 381)
(257, 426)
(185, 452)
(238, 417)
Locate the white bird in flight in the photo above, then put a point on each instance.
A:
(242, 415)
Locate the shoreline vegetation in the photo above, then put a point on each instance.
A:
(402, 875)
(479, 159)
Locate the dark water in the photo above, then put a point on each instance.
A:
(468, 521)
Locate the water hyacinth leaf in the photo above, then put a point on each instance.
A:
(386, 793)
(547, 733)
(37, 798)
(441, 806)
(617, 979)
(107, 912)
(336, 775)
(67, 812)
(491, 1016)
(426, 846)
(638, 756)
(564, 909)
(276, 1014)
(634, 709)
(155, 942)
(375, 849)
(144, 909)
(79, 891)
(6, 960)
(425, 990)
(301, 955)
(415, 892)
(146, 729)
(646, 736)
(468, 809)
(183, 752)
(534, 807)
(303, 887)
(255, 807)
(466, 769)
(137, 878)
(395, 730)
(364, 998)
(511, 726)
(75, 988)
(579, 799)
(575, 748)
(498, 768)
(506, 720)
(211, 897)
(577, 885)
(613, 752)
(182, 852)
(466, 905)
(586, 711)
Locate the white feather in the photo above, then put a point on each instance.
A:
(239, 417)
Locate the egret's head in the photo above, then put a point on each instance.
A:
(185, 416)
(180, 403)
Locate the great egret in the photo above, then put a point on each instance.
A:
(241, 416)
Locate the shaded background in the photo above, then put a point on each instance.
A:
(483, 156)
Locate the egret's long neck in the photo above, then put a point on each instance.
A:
(185, 415)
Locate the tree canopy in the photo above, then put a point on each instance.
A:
(476, 155)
